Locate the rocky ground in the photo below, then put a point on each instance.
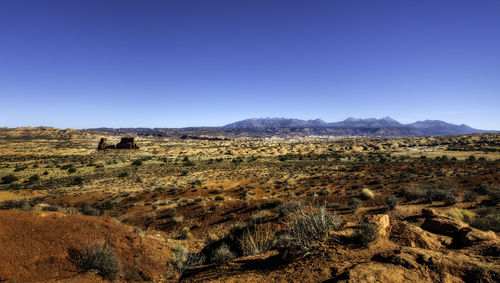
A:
(310, 209)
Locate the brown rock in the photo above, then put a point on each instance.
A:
(441, 224)
(381, 221)
(127, 143)
(384, 272)
(412, 236)
(103, 144)
(429, 212)
(469, 236)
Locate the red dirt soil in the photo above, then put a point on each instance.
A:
(37, 246)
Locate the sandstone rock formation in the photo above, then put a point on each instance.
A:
(125, 143)
(440, 223)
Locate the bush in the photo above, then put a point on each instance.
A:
(464, 215)
(439, 191)
(494, 194)
(259, 240)
(354, 204)
(182, 260)
(482, 189)
(87, 210)
(222, 255)
(34, 178)
(287, 208)
(367, 193)
(102, 259)
(391, 201)
(470, 196)
(15, 204)
(77, 181)
(51, 208)
(8, 179)
(107, 205)
(487, 218)
(184, 234)
(137, 162)
(366, 233)
(488, 222)
(415, 194)
(71, 170)
(307, 230)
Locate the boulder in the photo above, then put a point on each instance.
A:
(413, 236)
(441, 224)
(469, 236)
(381, 221)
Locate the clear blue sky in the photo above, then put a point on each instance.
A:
(123, 63)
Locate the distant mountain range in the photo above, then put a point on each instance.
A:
(370, 125)
(285, 127)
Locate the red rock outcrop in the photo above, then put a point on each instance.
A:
(125, 143)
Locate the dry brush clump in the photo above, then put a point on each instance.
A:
(222, 255)
(305, 231)
(366, 233)
(443, 190)
(101, 258)
(260, 239)
(181, 259)
(391, 201)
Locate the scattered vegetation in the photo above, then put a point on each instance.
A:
(101, 258)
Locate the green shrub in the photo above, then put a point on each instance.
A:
(462, 214)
